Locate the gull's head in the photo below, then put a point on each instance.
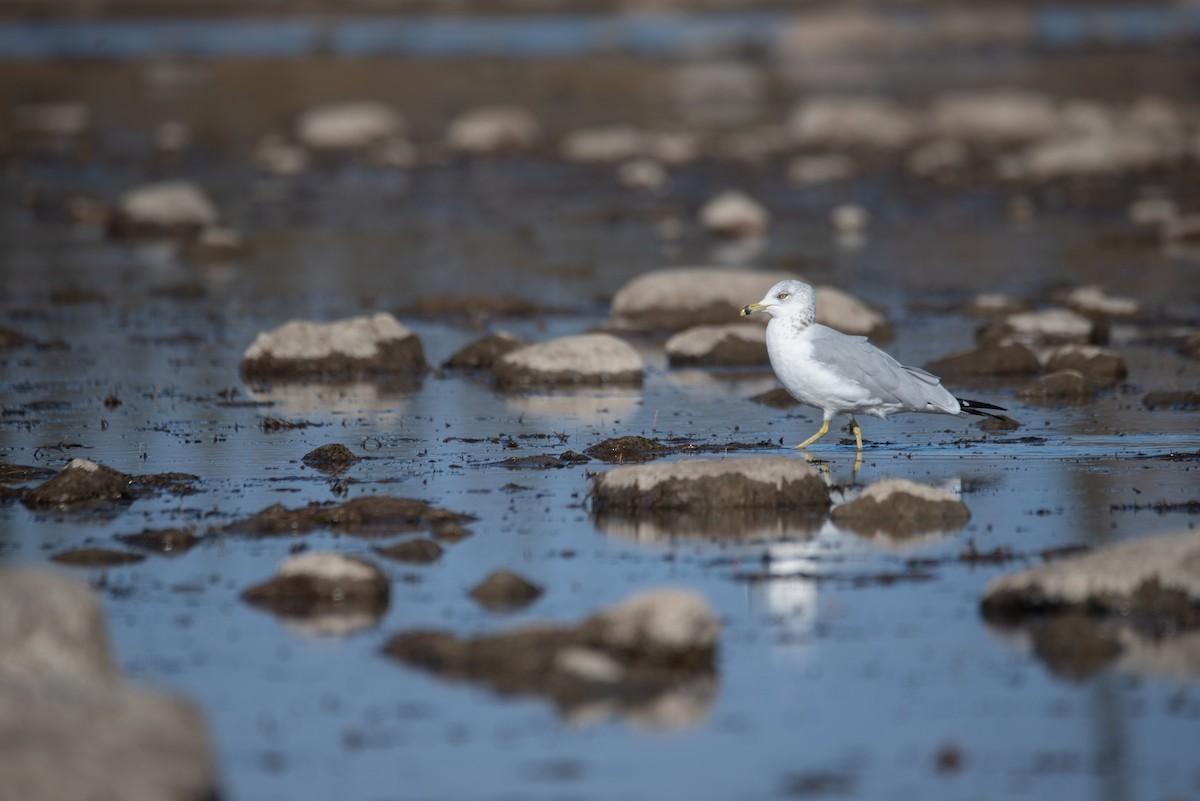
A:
(791, 300)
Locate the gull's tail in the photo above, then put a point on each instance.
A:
(977, 407)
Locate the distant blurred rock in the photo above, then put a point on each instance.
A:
(358, 346)
(1051, 326)
(643, 173)
(732, 345)
(172, 208)
(348, 126)
(589, 359)
(1101, 366)
(81, 481)
(849, 218)
(494, 129)
(1095, 302)
(333, 592)
(504, 590)
(482, 354)
(717, 93)
(853, 122)
(1065, 387)
(1006, 116)
(734, 214)
(999, 359)
(602, 144)
(275, 154)
(807, 170)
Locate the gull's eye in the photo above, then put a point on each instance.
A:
(782, 296)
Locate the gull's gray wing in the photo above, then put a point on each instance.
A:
(885, 378)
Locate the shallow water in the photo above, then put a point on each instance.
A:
(848, 666)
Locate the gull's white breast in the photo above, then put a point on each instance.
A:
(808, 380)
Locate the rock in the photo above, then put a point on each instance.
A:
(352, 348)
(1063, 387)
(1172, 399)
(849, 218)
(81, 481)
(171, 208)
(1095, 302)
(216, 244)
(504, 591)
(167, 541)
(332, 457)
(939, 157)
(416, 552)
(494, 129)
(716, 93)
(393, 151)
(322, 586)
(901, 508)
(1120, 579)
(450, 531)
(733, 345)
(71, 728)
(641, 657)
(276, 155)
(172, 137)
(772, 482)
(810, 170)
(778, 398)
(994, 304)
(1182, 229)
(1046, 327)
(10, 338)
(347, 126)
(52, 120)
(627, 449)
(1003, 359)
(848, 314)
(852, 122)
(735, 215)
(1190, 346)
(682, 297)
(371, 516)
(482, 354)
(1103, 367)
(96, 557)
(643, 173)
(589, 359)
(604, 144)
(677, 298)
(1003, 117)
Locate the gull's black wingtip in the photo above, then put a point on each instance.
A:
(976, 407)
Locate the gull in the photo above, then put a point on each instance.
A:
(842, 374)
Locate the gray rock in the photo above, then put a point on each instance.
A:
(70, 728)
(171, 208)
(81, 481)
(735, 215)
(348, 126)
(482, 354)
(643, 173)
(1053, 326)
(996, 117)
(1103, 367)
(1095, 302)
(587, 359)
(355, 347)
(899, 508)
(494, 129)
(605, 144)
(853, 122)
(733, 345)
(767, 482)
(1061, 387)
(415, 552)
(335, 592)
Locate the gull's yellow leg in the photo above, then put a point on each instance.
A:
(854, 426)
(824, 430)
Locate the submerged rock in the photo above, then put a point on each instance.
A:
(96, 557)
(1061, 387)
(348, 126)
(416, 552)
(172, 208)
(324, 585)
(733, 345)
(330, 457)
(504, 590)
(81, 481)
(627, 449)
(735, 214)
(901, 508)
(1172, 399)
(1101, 366)
(171, 541)
(768, 482)
(590, 359)
(482, 354)
(70, 727)
(631, 659)
(356, 347)
(999, 359)
(368, 516)
(494, 129)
